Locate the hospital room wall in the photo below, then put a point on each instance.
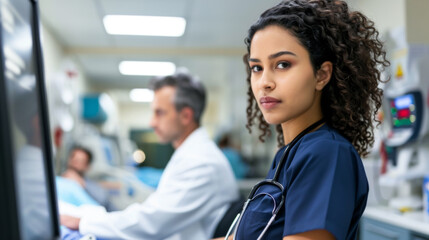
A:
(417, 18)
(387, 14)
(63, 76)
(390, 14)
(55, 61)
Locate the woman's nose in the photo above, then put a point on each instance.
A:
(267, 81)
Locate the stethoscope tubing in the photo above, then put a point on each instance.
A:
(274, 181)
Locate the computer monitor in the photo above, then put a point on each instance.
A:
(28, 204)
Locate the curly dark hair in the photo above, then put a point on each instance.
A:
(331, 32)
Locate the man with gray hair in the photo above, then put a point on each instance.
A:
(197, 185)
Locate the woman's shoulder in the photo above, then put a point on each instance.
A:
(326, 141)
(323, 149)
(326, 134)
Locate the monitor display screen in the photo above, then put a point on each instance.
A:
(29, 151)
(403, 110)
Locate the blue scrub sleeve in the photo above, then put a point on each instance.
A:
(321, 190)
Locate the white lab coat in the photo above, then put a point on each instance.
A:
(194, 192)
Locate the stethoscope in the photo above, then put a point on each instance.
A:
(272, 182)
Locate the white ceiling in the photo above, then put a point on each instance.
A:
(211, 47)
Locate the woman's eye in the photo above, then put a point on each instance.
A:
(283, 65)
(255, 68)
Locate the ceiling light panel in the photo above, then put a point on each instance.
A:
(144, 68)
(141, 95)
(144, 25)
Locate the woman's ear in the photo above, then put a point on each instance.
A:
(323, 75)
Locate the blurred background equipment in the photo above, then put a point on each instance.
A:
(406, 140)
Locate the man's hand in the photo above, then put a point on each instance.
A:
(70, 222)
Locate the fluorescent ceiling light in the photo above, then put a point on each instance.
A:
(144, 25)
(141, 95)
(147, 68)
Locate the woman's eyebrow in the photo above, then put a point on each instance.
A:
(274, 55)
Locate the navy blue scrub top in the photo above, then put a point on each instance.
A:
(325, 188)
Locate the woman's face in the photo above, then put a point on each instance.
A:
(282, 77)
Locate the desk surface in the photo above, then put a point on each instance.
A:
(414, 221)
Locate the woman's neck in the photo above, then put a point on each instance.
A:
(293, 127)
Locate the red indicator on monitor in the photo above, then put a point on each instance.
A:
(403, 113)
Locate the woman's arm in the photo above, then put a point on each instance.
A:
(311, 235)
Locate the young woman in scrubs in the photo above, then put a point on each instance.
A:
(312, 63)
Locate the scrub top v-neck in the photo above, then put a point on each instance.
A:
(325, 188)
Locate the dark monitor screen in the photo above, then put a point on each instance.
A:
(26, 170)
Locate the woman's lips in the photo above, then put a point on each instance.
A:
(268, 102)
